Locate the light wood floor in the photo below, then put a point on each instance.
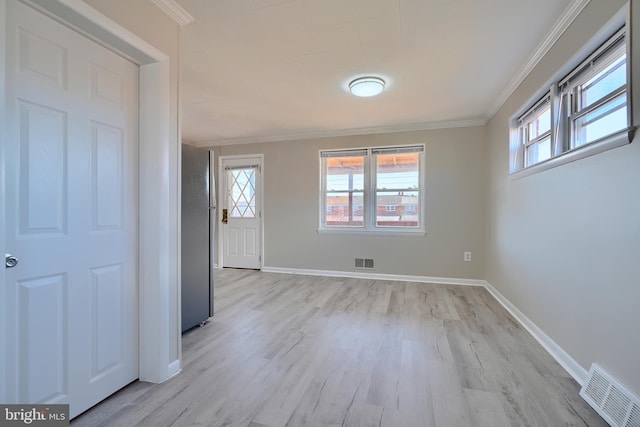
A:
(286, 350)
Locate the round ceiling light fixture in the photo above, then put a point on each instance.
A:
(366, 86)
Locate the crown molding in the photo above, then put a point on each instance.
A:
(343, 132)
(568, 16)
(175, 11)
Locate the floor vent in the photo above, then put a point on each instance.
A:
(364, 263)
(617, 405)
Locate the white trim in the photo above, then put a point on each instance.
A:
(375, 276)
(562, 357)
(564, 21)
(158, 234)
(175, 11)
(3, 197)
(344, 132)
(175, 368)
(616, 140)
(379, 231)
(96, 26)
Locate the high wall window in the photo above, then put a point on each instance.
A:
(381, 189)
(585, 112)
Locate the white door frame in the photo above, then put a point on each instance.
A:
(222, 181)
(158, 256)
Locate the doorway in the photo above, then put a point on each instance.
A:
(240, 216)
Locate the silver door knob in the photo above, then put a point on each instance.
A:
(10, 261)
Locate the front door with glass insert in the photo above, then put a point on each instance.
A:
(241, 217)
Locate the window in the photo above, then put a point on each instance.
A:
(583, 113)
(344, 186)
(242, 194)
(535, 132)
(376, 186)
(598, 97)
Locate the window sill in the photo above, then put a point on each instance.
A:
(616, 140)
(384, 232)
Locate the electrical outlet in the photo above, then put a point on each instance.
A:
(467, 256)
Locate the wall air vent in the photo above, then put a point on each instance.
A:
(364, 263)
(614, 402)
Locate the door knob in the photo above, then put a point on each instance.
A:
(10, 261)
(224, 216)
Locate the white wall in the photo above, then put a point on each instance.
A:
(455, 163)
(564, 245)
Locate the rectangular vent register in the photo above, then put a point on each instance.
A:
(614, 402)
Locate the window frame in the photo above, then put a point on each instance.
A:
(604, 48)
(369, 205)
(524, 123)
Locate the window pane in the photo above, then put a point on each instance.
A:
(242, 193)
(538, 152)
(602, 121)
(397, 208)
(397, 171)
(605, 82)
(345, 173)
(540, 124)
(345, 209)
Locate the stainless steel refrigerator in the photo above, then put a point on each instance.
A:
(198, 221)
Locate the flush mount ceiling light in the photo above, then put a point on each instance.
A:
(366, 86)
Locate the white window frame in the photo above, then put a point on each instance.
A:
(524, 122)
(369, 206)
(574, 95)
(561, 91)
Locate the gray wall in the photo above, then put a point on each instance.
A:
(455, 190)
(564, 245)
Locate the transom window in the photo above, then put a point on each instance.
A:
(583, 113)
(372, 189)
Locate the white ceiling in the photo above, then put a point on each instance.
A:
(264, 70)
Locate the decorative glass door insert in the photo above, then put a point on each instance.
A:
(242, 192)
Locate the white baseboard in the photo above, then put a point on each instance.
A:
(174, 368)
(562, 357)
(375, 276)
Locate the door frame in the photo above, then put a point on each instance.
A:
(159, 346)
(260, 187)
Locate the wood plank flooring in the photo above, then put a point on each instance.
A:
(285, 350)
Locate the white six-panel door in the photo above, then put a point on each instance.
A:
(71, 215)
(242, 230)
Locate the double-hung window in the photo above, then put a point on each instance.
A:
(583, 113)
(596, 94)
(535, 132)
(380, 189)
